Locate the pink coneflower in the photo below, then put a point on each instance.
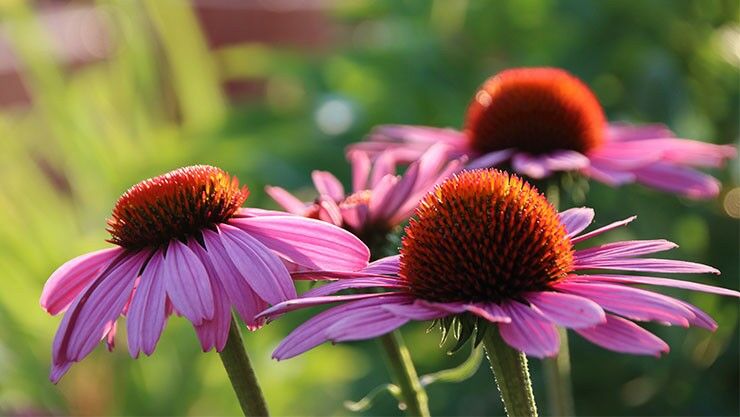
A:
(489, 244)
(185, 245)
(380, 199)
(544, 120)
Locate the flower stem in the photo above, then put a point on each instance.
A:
(557, 370)
(512, 375)
(405, 376)
(241, 374)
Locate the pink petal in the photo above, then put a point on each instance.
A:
(645, 265)
(308, 242)
(491, 159)
(380, 192)
(355, 215)
(214, 333)
(489, 311)
(701, 319)
(86, 321)
(235, 284)
(390, 265)
(576, 220)
(396, 196)
(363, 325)
(529, 332)
(187, 283)
(311, 333)
(329, 211)
(72, 277)
(565, 160)
(622, 335)
(601, 230)
(146, 316)
(666, 282)
(610, 176)
(328, 184)
(633, 303)
(304, 302)
(625, 132)
(344, 284)
(384, 165)
(360, 162)
(686, 181)
(286, 200)
(262, 269)
(416, 311)
(529, 165)
(628, 248)
(567, 310)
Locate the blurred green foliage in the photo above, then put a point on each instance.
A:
(156, 103)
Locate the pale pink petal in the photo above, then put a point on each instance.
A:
(623, 249)
(90, 313)
(623, 336)
(311, 333)
(565, 160)
(328, 184)
(665, 282)
(576, 220)
(610, 176)
(257, 212)
(187, 283)
(355, 215)
(384, 165)
(146, 316)
(701, 319)
(329, 211)
(601, 230)
(625, 132)
(72, 277)
(360, 162)
(380, 192)
(308, 242)
(262, 269)
(529, 332)
(395, 197)
(645, 265)
(491, 159)
(416, 310)
(363, 325)
(303, 302)
(390, 265)
(489, 311)
(235, 284)
(633, 303)
(686, 181)
(696, 153)
(566, 310)
(286, 200)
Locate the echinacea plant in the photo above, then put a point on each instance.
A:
(184, 245)
(542, 121)
(486, 249)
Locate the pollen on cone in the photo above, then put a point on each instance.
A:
(484, 235)
(535, 110)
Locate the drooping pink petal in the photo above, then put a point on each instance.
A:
(696, 153)
(286, 200)
(384, 165)
(385, 207)
(603, 172)
(267, 276)
(390, 265)
(365, 324)
(328, 184)
(566, 310)
(308, 242)
(633, 303)
(354, 283)
(187, 284)
(624, 336)
(601, 230)
(236, 286)
(529, 165)
(86, 321)
(214, 333)
(303, 302)
(623, 249)
(360, 162)
(416, 310)
(146, 316)
(645, 265)
(672, 178)
(625, 132)
(529, 332)
(311, 333)
(701, 319)
(665, 282)
(380, 193)
(489, 311)
(109, 334)
(576, 220)
(565, 160)
(329, 211)
(72, 277)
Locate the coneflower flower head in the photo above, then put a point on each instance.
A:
(185, 245)
(542, 121)
(487, 245)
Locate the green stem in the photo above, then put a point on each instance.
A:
(557, 370)
(241, 374)
(512, 375)
(405, 376)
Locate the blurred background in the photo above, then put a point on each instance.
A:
(98, 95)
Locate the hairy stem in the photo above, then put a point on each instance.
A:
(512, 375)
